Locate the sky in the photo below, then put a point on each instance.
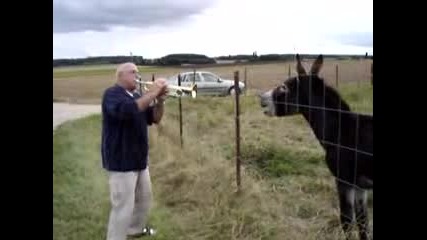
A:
(155, 28)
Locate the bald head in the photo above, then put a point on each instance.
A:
(124, 68)
(126, 74)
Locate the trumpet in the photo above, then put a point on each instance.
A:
(179, 90)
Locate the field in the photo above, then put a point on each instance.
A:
(287, 191)
(79, 84)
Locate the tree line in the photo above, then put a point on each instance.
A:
(97, 60)
(190, 58)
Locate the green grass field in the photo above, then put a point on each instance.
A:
(288, 192)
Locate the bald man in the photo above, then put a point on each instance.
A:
(124, 149)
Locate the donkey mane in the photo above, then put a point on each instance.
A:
(333, 98)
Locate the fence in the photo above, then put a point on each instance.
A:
(246, 118)
(337, 75)
(344, 144)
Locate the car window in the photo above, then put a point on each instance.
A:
(189, 77)
(183, 78)
(209, 77)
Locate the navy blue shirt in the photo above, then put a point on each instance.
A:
(124, 142)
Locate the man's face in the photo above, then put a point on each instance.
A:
(128, 77)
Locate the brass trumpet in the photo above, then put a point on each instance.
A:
(179, 90)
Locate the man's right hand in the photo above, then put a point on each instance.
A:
(159, 87)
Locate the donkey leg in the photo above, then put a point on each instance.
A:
(346, 194)
(361, 206)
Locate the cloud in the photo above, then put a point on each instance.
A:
(213, 27)
(102, 15)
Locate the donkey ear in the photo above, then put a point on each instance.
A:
(317, 65)
(300, 68)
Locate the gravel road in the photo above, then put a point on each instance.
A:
(63, 112)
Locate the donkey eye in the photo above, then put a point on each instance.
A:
(283, 89)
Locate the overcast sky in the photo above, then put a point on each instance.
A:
(154, 28)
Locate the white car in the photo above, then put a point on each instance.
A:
(207, 83)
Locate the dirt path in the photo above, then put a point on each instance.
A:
(63, 112)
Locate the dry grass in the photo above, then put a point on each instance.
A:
(288, 192)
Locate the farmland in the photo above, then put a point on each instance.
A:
(85, 84)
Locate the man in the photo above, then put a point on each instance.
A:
(124, 149)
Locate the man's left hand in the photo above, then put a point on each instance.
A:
(163, 96)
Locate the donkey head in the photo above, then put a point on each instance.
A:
(294, 92)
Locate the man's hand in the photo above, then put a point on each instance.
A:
(162, 97)
(159, 88)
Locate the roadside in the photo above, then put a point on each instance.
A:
(63, 112)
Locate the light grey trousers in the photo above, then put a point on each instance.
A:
(130, 196)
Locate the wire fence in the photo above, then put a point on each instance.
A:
(349, 170)
(353, 146)
(344, 124)
(325, 110)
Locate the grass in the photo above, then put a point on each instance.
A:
(287, 191)
(359, 96)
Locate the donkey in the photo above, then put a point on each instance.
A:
(346, 137)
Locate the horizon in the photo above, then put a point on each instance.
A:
(217, 56)
(153, 29)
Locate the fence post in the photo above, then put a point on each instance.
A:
(246, 81)
(336, 75)
(372, 74)
(289, 70)
(180, 112)
(237, 111)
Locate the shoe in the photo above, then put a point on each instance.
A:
(147, 231)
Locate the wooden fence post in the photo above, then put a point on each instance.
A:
(180, 113)
(245, 81)
(336, 75)
(237, 111)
